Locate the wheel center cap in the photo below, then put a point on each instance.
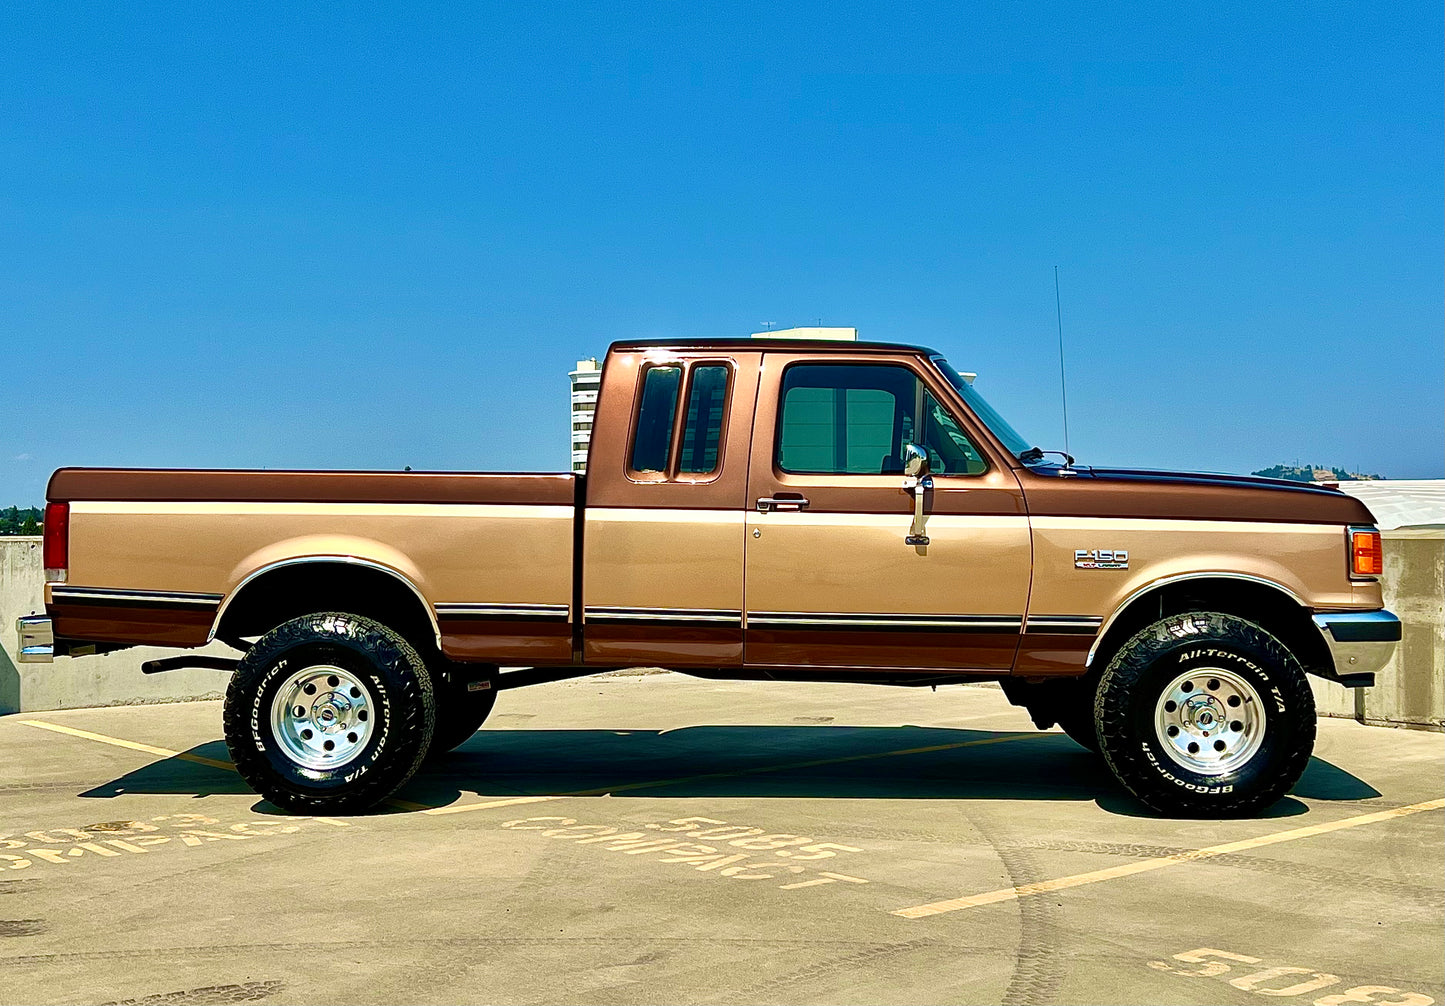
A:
(1203, 713)
(332, 710)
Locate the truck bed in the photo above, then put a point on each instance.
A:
(159, 556)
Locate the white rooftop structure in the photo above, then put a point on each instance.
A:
(1400, 503)
(825, 334)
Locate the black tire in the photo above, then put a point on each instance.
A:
(1264, 741)
(461, 707)
(379, 683)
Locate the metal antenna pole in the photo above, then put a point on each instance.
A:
(1063, 387)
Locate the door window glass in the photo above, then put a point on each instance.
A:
(842, 419)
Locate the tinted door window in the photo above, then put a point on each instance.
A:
(857, 419)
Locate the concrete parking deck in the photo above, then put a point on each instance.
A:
(656, 838)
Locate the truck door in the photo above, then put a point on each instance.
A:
(830, 579)
(666, 498)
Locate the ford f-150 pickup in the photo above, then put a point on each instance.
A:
(781, 509)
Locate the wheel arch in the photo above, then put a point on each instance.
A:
(284, 589)
(1273, 606)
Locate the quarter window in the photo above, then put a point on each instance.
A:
(655, 411)
(697, 450)
(706, 395)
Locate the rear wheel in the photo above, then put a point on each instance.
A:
(1205, 714)
(329, 712)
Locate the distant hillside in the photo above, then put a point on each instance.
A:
(20, 520)
(1313, 473)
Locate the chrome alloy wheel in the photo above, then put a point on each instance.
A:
(321, 716)
(1210, 721)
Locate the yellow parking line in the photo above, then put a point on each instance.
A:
(168, 753)
(131, 745)
(462, 808)
(1144, 866)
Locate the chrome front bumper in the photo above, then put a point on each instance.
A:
(37, 639)
(1360, 643)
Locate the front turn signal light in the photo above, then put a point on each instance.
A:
(1367, 556)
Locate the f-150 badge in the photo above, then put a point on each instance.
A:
(1101, 558)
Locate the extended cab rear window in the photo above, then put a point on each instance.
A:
(856, 419)
(659, 446)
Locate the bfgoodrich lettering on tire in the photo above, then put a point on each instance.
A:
(329, 712)
(1205, 715)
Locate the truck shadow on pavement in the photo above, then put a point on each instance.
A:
(799, 762)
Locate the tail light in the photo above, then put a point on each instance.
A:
(1367, 556)
(56, 547)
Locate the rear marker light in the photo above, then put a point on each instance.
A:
(1367, 556)
(56, 542)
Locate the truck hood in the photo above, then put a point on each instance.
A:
(1136, 492)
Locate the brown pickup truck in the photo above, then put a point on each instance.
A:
(788, 510)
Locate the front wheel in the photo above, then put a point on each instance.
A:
(329, 713)
(1205, 714)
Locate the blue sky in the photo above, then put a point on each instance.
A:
(371, 237)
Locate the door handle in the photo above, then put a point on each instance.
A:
(786, 504)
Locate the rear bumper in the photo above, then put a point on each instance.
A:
(1360, 643)
(37, 639)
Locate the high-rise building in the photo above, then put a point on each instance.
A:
(585, 381)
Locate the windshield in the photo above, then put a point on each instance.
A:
(997, 425)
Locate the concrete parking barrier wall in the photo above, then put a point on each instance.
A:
(107, 679)
(1410, 690)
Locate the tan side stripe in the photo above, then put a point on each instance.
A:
(1144, 866)
(168, 753)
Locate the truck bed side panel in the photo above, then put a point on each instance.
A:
(490, 555)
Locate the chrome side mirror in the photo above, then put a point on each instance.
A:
(915, 461)
(915, 470)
